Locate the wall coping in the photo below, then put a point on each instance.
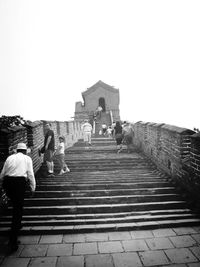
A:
(177, 129)
(12, 129)
(196, 136)
(34, 124)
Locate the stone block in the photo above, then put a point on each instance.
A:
(196, 252)
(181, 255)
(163, 232)
(141, 234)
(76, 238)
(135, 245)
(96, 237)
(128, 259)
(159, 243)
(34, 251)
(99, 261)
(85, 248)
(184, 230)
(43, 262)
(49, 239)
(33, 239)
(196, 237)
(110, 247)
(59, 250)
(14, 262)
(119, 235)
(70, 261)
(182, 241)
(152, 258)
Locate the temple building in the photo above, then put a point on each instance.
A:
(100, 94)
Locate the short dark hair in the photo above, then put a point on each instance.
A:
(22, 151)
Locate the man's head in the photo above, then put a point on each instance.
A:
(48, 126)
(21, 147)
(61, 138)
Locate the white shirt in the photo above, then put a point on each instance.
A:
(61, 148)
(87, 127)
(19, 165)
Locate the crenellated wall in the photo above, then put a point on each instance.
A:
(174, 150)
(33, 136)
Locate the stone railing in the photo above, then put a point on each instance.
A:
(174, 150)
(33, 136)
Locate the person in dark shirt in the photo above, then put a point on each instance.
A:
(49, 147)
(118, 136)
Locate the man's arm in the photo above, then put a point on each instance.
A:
(48, 141)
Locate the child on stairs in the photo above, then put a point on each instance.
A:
(60, 155)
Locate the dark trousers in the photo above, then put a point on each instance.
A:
(15, 189)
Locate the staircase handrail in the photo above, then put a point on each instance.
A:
(111, 116)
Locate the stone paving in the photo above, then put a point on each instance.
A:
(177, 247)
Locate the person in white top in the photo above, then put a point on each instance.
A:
(17, 175)
(87, 132)
(60, 155)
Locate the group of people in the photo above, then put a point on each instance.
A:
(50, 152)
(123, 134)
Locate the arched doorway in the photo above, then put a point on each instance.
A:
(102, 103)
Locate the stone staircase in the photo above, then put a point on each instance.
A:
(104, 191)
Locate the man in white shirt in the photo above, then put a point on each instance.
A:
(99, 111)
(16, 174)
(87, 132)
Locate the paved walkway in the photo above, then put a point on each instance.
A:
(178, 247)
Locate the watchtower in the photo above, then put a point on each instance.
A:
(100, 94)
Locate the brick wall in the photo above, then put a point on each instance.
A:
(174, 150)
(195, 155)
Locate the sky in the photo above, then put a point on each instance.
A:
(52, 51)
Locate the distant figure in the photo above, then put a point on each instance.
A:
(17, 175)
(99, 111)
(104, 128)
(113, 128)
(118, 136)
(49, 147)
(128, 135)
(109, 132)
(87, 132)
(60, 155)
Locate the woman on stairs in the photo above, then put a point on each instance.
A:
(118, 136)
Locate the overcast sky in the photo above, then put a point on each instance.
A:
(52, 51)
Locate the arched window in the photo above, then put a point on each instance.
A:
(102, 103)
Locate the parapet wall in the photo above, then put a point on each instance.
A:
(33, 136)
(174, 150)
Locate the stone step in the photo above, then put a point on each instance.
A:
(110, 192)
(75, 186)
(104, 191)
(100, 200)
(88, 228)
(70, 180)
(101, 208)
(75, 221)
(153, 213)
